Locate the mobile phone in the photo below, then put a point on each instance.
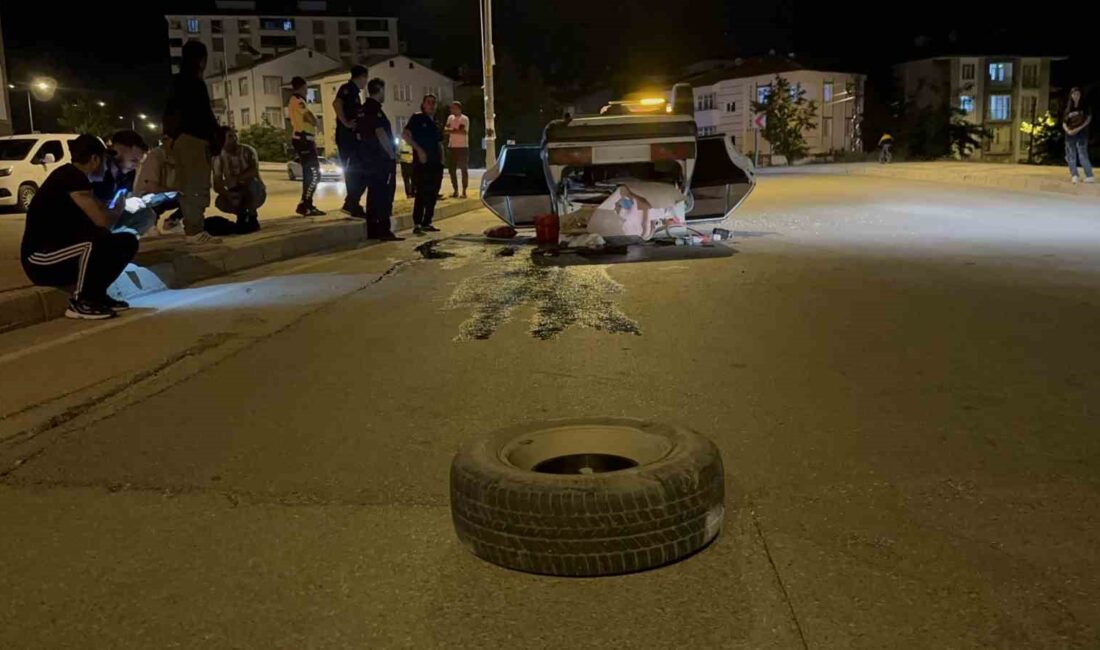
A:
(118, 195)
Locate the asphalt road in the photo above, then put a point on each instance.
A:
(901, 378)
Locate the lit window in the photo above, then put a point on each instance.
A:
(1000, 107)
(762, 93)
(966, 103)
(192, 25)
(794, 91)
(827, 91)
(1000, 72)
(246, 117)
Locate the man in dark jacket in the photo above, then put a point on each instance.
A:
(378, 160)
(190, 122)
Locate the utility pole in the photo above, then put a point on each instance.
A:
(488, 59)
(30, 109)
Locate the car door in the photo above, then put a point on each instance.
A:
(40, 167)
(515, 188)
(721, 180)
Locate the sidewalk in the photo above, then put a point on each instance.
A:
(1025, 178)
(166, 262)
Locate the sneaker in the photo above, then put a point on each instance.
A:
(1073, 179)
(1090, 179)
(80, 308)
(203, 239)
(314, 212)
(302, 210)
(429, 228)
(117, 305)
(355, 212)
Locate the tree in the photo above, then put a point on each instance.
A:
(963, 136)
(269, 142)
(86, 116)
(789, 115)
(1046, 139)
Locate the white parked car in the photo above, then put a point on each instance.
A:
(26, 161)
(582, 161)
(330, 170)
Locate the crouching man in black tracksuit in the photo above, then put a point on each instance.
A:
(67, 239)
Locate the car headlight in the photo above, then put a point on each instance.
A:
(338, 170)
(6, 171)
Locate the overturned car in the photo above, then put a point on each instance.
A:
(640, 173)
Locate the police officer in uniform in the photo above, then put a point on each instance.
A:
(348, 106)
(379, 160)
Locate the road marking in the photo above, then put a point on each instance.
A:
(133, 318)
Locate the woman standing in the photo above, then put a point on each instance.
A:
(1076, 124)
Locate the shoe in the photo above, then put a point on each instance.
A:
(354, 212)
(302, 210)
(463, 195)
(314, 212)
(454, 195)
(388, 236)
(1090, 179)
(203, 239)
(418, 231)
(82, 309)
(1073, 179)
(117, 305)
(429, 228)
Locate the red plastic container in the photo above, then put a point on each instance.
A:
(547, 228)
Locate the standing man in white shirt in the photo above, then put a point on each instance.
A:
(458, 147)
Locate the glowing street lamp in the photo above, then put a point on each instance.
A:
(151, 126)
(42, 88)
(101, 103)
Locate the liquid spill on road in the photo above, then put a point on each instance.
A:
(561, 297)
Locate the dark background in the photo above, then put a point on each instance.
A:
(118, 52)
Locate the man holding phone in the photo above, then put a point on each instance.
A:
(67, 239)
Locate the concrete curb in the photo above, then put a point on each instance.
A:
(158, 270)
(1018, 183)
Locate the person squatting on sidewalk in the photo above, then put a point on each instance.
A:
(126, 153)
(347, 106)
(458, 144)
(237, 181)
(1076, 123)
(377, 161)
(67, 239)
(303, 125)
(427, 168)
(190, 122)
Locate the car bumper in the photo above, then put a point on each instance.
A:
(8, 192)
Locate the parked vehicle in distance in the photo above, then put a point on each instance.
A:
(330, 170)
(26, 161)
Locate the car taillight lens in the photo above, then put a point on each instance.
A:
(672, 151)
(570, 156)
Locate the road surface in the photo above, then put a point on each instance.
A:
(901, 378)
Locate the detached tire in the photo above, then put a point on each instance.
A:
(587, 497)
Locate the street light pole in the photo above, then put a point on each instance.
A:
(30, 109)
(487, 60)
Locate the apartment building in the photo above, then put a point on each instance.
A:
(239, 32)
(254, 94)
(997, 92)
(724, 95)
(407, 81)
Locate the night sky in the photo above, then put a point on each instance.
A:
(121, 56)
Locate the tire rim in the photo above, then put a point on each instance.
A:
(581, 449)
(27, 195)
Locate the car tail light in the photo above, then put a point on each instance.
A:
(570, 156)
(672, 151)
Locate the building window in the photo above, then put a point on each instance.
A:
(216, 26)
(219, 44)
(1031, 76)
(246, 116)
(273, 85)
(216, 90)
(370, 25)
(402, 92)
(279, 42)
(192, 25)
(795, 90)
(345, 46)
(1000, 108)
(827, 92)
(244, 27)
(731, 107)
(175, 24)
(242, 85)
(1000, 73)
(344, 28)
(319, 45)
(277, 24)
(827, 130)
(968, 72)
(762, 93)
(318, 27)
(273, 116)
(1028, 107)
(966, 104)
(373, 42)
(232, 121)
